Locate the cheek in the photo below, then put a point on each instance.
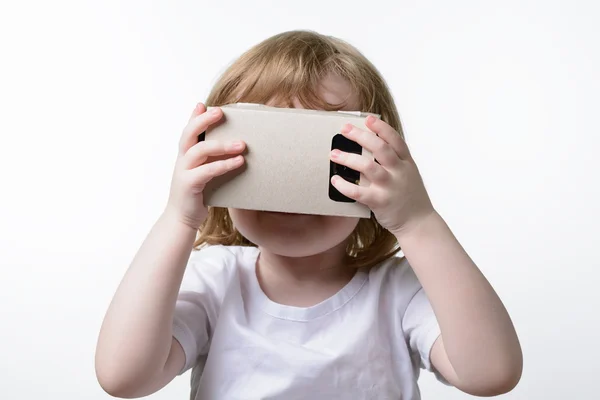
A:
(341, 227)
(243, 220)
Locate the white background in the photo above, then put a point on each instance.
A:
(499, 102)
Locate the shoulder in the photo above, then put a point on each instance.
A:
(395, 268)
(395, 278)
(216, 263)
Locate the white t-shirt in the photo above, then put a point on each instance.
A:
(368, 341)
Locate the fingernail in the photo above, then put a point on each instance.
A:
(237, 145)
(336, 153)
(346, 128)
(370, 119)
(214, 111)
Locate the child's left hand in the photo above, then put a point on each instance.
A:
(396, 193)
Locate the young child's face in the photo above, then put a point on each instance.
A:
(300, 235)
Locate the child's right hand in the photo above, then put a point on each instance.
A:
(193, 169)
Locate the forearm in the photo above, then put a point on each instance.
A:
(135, 337)
(478, 335)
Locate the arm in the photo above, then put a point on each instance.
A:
(478, 351)
(136, 354)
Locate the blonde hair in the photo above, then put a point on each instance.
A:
(291, 66)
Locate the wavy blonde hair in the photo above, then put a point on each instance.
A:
(291, 66)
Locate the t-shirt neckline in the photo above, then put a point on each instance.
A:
(303, 314)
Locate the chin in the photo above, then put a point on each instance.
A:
(293, 235)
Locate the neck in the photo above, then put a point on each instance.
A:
(303, 281)
(329, 264)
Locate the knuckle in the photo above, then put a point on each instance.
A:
(195, 149)
(219, 167)
(384, 201)
(370, 167)
(202, 149)
(196, 124)
(384, 176)
(187, 131)
(223, 165)
(193, 154)
(213, 167)
(379, 146)
(361, 135)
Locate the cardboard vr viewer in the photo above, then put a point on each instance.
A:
(287, 167)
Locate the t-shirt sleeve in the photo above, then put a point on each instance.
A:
(200, 296)
(421, 327)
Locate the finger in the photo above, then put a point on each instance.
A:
(368, 167)
(196, 126)
(382, 151)
(199, 109)
(351, 190)
(389, 134)
(199, 153)
(204, 173)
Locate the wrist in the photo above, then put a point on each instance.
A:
(175, 220)
(418, 227)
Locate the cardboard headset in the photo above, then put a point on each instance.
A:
(287, 166)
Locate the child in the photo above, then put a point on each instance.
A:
(283, 306)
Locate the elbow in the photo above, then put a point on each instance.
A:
(110, 387)
(115, 382)
(496, 382)
(509, 374)
(113, 385)
(499, 386)
(511, 378)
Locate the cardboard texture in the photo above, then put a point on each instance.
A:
(287, 166)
